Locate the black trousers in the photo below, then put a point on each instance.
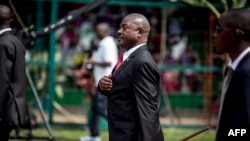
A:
(4, 131)
(98, 109)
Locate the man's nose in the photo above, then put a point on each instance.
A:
(119, 31)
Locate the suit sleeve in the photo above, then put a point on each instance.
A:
(245, 83)
(19, 73)
(6, 60)
(146, 89)
(105, 93)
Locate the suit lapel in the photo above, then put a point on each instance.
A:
(129, 60)
(245, 59)
(125, 62)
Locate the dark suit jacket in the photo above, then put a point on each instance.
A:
(134, 100)
(236, 107)
(12, 80)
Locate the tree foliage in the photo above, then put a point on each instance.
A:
(207, 4)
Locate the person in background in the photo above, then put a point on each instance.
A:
(12, 77)
(232, 36)
(134, 87)
(189, 78)
(102, 60)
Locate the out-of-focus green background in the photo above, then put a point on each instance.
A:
(181, 42)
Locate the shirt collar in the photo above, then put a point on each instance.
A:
(130, 51)
(236, 62)
(4, 30)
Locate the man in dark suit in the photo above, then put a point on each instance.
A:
(232, 36)
(12, 77)
(133, 89)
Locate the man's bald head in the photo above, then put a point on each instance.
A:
(238, 18)
(141, 22)
(5, 16)
(134, 30)
(102, 30)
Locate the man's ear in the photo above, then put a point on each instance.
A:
(239, 32)
(140, 32)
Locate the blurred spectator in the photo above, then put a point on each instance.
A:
(191, 78)
(175, 28)
(190, 56)
(177, 49)
(170, 78)
(85, 81)
(154, 42)
(68, 46)
(105, 15)
(103, 60)
(154, 18)
(182, 81)
(68, 43)
(87, 31)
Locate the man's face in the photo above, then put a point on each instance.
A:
(223, 36)
(99, 32)
(127, 33)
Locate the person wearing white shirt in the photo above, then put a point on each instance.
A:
(103, 60)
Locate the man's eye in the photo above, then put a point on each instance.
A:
(125, 27)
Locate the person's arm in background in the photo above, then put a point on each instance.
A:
(109, 53)
(245, 91)
(92, 61)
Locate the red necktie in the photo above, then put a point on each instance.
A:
(119, 63)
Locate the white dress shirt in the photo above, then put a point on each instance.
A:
(236, 62)
(4, 30)
(130, 51)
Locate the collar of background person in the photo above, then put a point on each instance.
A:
(4, 30)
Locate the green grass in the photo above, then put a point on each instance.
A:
(73, 133)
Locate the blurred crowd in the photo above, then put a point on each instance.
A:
(77, 41)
